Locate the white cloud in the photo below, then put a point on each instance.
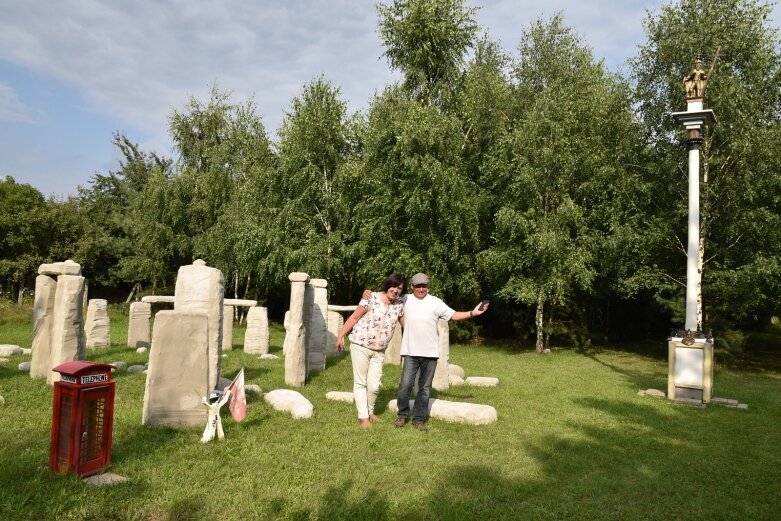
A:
(13, 109)
(136, 61)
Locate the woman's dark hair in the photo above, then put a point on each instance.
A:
(393, 280)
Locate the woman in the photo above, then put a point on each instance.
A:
(372, 324)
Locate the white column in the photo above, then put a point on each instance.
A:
(692, 275)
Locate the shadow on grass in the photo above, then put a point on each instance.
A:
(341, 501)
(635, 461)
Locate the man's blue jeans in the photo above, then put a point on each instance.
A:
(423, 368)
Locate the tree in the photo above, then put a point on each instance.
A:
(24, 238)
(740, 185)
(224, 154)
(427, 41)
(418, 212)
(313, 149)
(562, 174)
(107, 246)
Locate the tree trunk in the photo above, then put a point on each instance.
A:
(539, 346)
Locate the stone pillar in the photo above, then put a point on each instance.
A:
(96, 325)
(295, 337)
(179, 370)
(200, 289)
(227, 328)
(43, 315)
(138, 325)
(67, 323)
(393, 352)
(334, 325)
(286, 324)
(442, 374)
(256, 339)
(316, 327)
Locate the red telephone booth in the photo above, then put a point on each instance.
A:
(82, 418)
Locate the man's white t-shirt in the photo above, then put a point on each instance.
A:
(420, 336)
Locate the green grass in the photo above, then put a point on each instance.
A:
(573, 441)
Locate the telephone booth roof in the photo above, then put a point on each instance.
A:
(76, 367)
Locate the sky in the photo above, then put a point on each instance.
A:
(75, 72)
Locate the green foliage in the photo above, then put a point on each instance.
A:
(427, 40)
(311, 185)
(419, 212)
(567, 193)
(23, 232)
(740, 184)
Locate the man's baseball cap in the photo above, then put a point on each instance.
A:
(419, 278)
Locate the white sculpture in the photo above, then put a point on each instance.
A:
(213, 422)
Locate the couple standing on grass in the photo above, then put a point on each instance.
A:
(372, 325)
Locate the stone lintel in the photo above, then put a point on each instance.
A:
(341, 308)
(240, 302)
(157, 299)
(54, 269)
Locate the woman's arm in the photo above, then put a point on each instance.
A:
(354, 318)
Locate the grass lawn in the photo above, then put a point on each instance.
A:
(573, 441)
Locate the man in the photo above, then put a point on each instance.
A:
(420, 347)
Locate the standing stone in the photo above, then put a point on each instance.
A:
(442, 374)
(138, 325)
(256, 339)
(96, 325)
(295, 338)
(67, 323)
(179, 368)
(286, 324)
(316, 328)
(227, 328)
(43, 316)
(393, 352)
(200, 289)
(334, 325)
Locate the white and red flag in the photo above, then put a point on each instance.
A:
(238, 399)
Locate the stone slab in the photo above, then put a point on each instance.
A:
(43, 317)
(56, 269)
(227, 328)
(107, 478)
(290, 401)
(456, 370)
(97, 327)
(256, 337)
(340, 396)
(481, 381)
(138, 327)
(178, 371)
(10, 350)
(201, 289)
(242, 303)
(67, 342)
(457, 412)
(158, 299)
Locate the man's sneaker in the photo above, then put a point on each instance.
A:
(400, 421)
(420, 426)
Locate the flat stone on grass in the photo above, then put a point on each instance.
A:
(340, 396)
(482, 381)
(456, 412)
(290, 401)
(107, 478)
(10, 350)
